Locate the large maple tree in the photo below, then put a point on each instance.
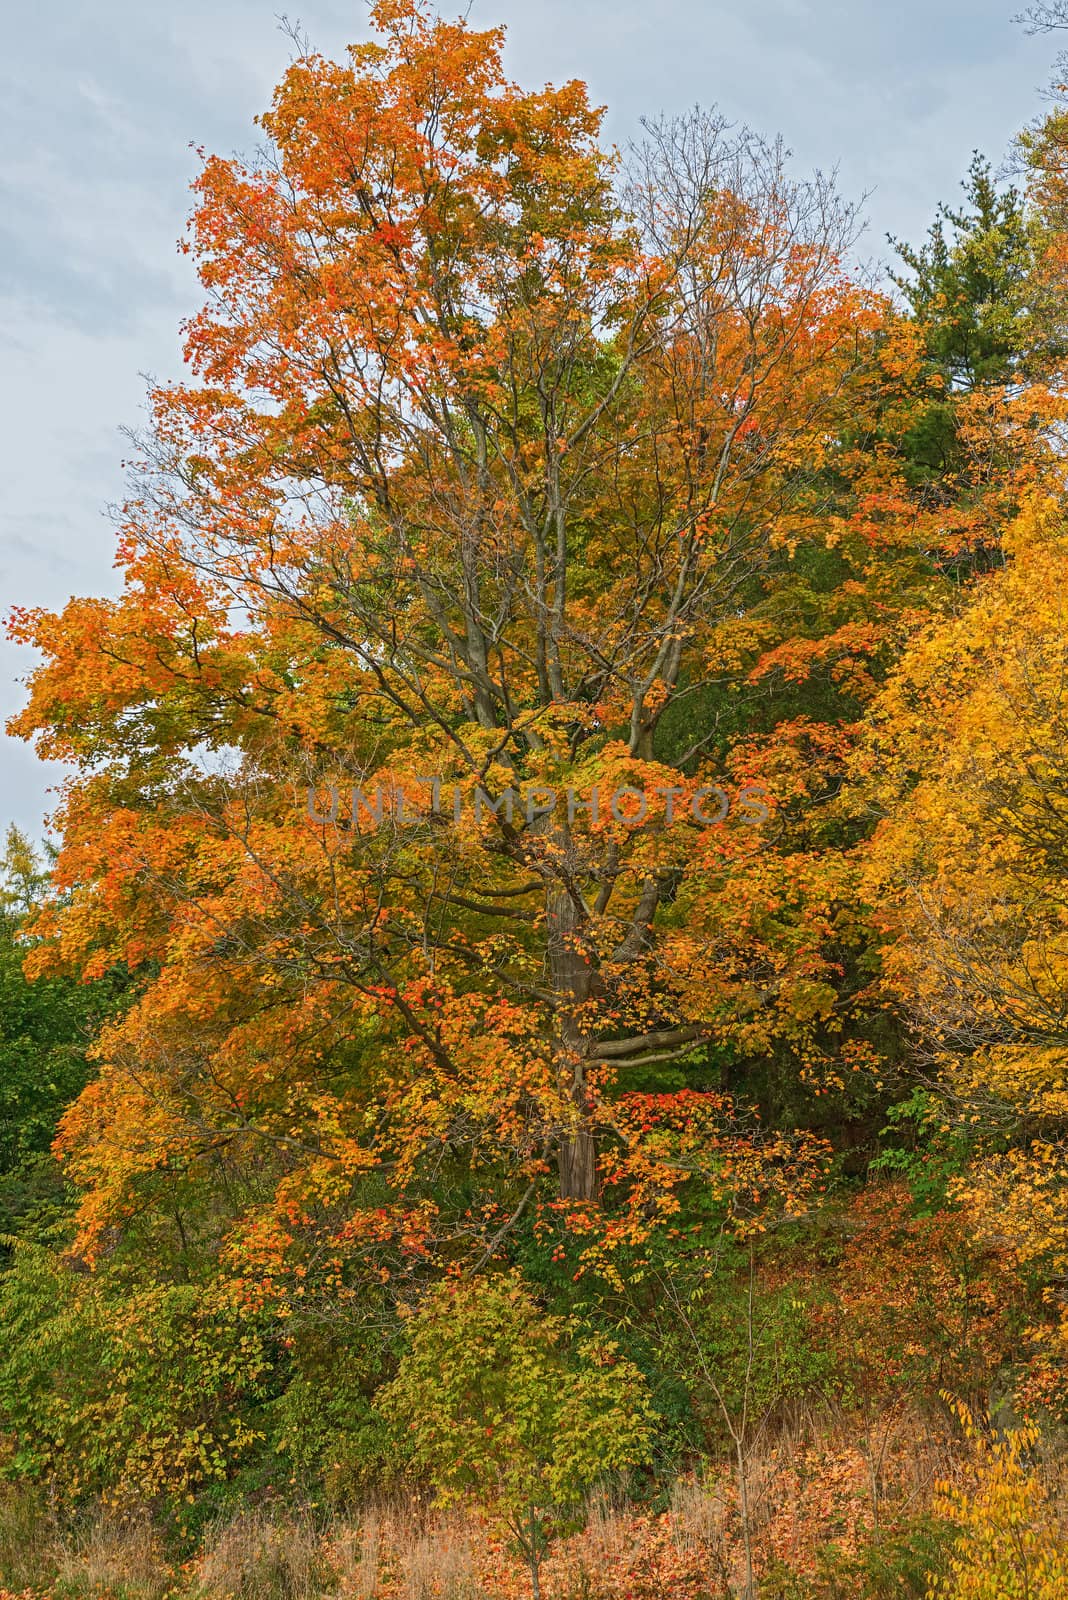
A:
(503, 467)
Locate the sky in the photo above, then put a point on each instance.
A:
(100, 107)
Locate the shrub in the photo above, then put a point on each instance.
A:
(497, 1402)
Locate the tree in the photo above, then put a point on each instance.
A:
(495, 1399)
(971, 737)
(46, 1029)
(489, 463)
(1010, 1535)
(1045, 17)
(972, 295)
(978, 425)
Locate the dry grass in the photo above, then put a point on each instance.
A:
(438, 1563)
(108, 1555)
(259, 1556)
(355, 1554)
(27, 1539)
(415, 1557)
(700, 1512)
(809, 1487)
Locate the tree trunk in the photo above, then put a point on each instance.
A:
(577, 1161)
(571, 982)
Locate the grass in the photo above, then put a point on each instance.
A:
(812, 1516)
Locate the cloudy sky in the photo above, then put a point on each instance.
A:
(99, 107)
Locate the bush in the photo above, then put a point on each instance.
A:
(140, 1394)
(495, 1401)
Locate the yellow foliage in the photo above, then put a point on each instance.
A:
(969, 759)
(1011, 1540)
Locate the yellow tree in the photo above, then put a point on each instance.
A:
(969, 756)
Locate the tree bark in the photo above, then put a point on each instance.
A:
(577, 1159)
(571, 980)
